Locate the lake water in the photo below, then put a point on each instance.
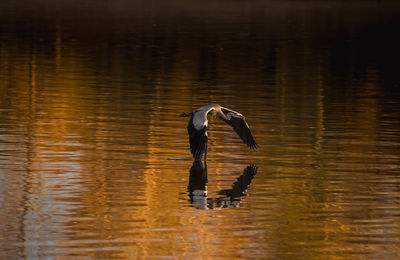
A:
(95, 161)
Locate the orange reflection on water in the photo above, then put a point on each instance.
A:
(95, 159)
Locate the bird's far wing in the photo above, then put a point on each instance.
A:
(197, 139)
(241, 127)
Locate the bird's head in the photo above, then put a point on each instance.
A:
(186, 114)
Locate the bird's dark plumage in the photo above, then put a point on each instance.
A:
(241, 127)
(198, 140)
(197, 128)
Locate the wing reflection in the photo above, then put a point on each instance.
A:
(231, 198)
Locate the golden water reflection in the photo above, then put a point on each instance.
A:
(90, 127)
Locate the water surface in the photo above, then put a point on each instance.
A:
(94, 158)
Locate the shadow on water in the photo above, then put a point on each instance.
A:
(231, 198)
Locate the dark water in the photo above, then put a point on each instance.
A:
(92, 145)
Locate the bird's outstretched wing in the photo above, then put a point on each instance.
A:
(197, 139)
(239, 124)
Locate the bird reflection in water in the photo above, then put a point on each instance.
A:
(231, 198)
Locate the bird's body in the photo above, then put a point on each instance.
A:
(197, 128)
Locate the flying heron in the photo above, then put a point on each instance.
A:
(197, 128)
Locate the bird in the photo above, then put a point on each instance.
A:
(198, 122)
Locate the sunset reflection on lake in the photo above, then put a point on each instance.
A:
(95, 160)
